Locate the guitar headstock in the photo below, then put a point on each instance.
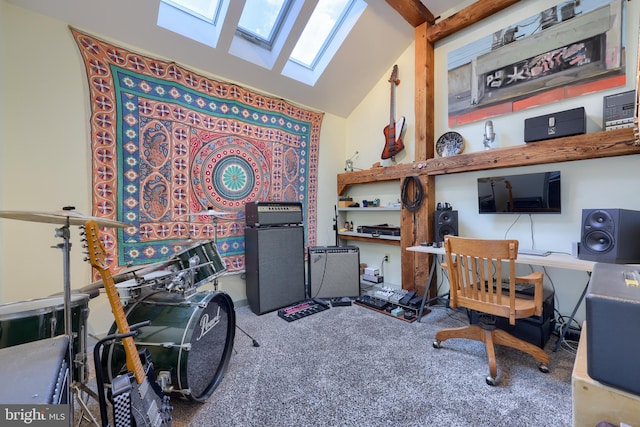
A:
(97, 254)
(394, 75)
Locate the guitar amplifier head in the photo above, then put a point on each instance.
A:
(258, 214)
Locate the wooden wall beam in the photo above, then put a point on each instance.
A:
(596, 145)
(466, 17)
(416, 226)
(413, 11)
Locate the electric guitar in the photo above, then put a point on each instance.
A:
(393, 132)
(149, 407)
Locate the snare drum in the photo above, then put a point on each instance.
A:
(128, 290)
(33, 320)
(190, 340)
(209, 265)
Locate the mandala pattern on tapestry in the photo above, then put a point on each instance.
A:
(168, 143)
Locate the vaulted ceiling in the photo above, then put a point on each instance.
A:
(380, 36)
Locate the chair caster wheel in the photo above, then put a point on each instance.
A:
(437, 344)
(543, 368)
(491, 381)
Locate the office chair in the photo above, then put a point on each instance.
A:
(476, 269)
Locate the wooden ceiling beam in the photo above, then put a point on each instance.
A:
(466, 17)
(413, 11)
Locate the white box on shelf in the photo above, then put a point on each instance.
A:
(371, 271)
(373, 279)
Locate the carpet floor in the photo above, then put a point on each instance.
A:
(351, 366)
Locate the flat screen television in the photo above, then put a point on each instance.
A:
(525, 193)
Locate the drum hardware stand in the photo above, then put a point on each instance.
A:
(215, 280)
(86, 414)
(215, 243)
(73, 387)
(63, 232)
(255, 343)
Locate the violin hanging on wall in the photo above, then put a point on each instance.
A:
(393, 132)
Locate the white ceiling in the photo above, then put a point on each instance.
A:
(378, 39)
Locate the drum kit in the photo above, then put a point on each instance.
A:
(191, 332)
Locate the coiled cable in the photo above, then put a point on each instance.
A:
(412, 202)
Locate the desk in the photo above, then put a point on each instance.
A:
(552, 260)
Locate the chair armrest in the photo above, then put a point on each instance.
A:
(532, 278)
(536, 279)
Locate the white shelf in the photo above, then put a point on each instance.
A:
(348, 234)
(372, 209)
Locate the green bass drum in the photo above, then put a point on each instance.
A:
(190, 340)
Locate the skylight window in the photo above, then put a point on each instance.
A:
(262, 20)
(204, 9)
(262, 33)
(328, 27)
(200, 20)
(323, 24)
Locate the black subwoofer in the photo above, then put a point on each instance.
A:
(446, 224)
(274, 258)
(610, 235)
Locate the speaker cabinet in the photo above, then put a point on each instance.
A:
(274, 259)
(612, 315)
(610, 235)
(446, 223)
(334, 271)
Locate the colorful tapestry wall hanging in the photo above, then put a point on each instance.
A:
(167, 143)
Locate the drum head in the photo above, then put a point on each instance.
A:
(190, 338)
(211, 346)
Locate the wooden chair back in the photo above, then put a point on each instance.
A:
(477, 269)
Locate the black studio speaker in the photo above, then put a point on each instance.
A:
(274, 258)
(334, 271)
(446, 224)
(610, 235)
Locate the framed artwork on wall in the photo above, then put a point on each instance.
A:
(573, 48)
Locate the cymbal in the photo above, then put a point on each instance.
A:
(61, 217)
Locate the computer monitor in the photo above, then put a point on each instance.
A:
(531, 193)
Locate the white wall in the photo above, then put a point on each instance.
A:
(45, 161)
(600, 183)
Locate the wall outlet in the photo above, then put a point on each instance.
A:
(386, 257)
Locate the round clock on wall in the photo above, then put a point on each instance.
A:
(449, 144)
